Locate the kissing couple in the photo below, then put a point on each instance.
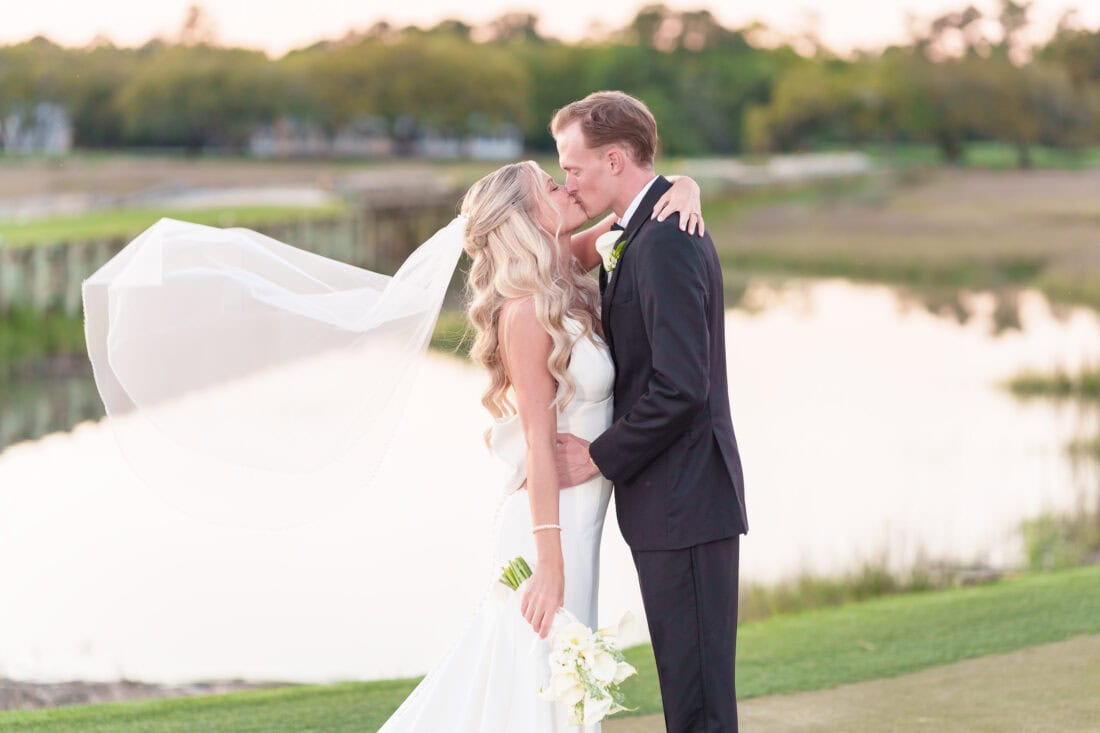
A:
(594, 387)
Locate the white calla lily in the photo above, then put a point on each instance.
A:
(596, 708)
(622, 671)
(572, 695)
(604, 667)
(575, 635)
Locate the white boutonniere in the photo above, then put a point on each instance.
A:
(610, 245)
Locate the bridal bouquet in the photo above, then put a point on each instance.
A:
(586, 667)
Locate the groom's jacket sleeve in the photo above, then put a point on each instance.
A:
(671, 291)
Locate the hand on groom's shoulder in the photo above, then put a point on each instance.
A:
(669, 229)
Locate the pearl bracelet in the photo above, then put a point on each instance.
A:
(545, 526)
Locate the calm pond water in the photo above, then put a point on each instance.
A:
(868, 426)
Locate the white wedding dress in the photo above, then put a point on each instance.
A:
(488, 681)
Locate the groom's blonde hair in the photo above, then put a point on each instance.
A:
(607, 118)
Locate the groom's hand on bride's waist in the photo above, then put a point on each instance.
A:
(574, 464)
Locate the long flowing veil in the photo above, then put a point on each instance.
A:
(252, 383)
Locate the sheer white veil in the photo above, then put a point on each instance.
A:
(215, 352)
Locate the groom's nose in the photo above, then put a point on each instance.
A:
(571, 185)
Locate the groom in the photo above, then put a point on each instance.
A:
(670, 451)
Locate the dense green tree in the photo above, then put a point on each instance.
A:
(197, 96)
(34, 71)
(1077, 51)
(963, 76)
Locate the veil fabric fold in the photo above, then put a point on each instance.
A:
(253, 383)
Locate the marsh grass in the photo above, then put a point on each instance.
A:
(1070, 540)
(1059, 384)
(1056, 541)
(808, 591)
(872, 579)
(29, 336)
(1085, 448)
(928, 228)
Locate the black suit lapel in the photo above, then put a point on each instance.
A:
(637, 221)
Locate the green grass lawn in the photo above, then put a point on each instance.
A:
(125, 223)
(350, 706)
(807, 651)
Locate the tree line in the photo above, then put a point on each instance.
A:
(960, 77)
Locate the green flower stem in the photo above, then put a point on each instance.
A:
(515, 572)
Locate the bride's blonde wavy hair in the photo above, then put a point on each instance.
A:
(513, 256)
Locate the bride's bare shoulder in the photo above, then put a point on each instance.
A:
(517, 313)
(519, 332)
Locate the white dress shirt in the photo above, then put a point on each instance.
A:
(634, 204)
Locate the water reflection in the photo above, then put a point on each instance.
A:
(1008, 312)
(954, 303)
(871, 426)
(948, 302)
(867, 423)
(35, 406)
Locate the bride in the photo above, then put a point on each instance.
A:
(538, 334)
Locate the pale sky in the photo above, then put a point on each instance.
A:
(279, 26)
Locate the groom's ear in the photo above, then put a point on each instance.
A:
(616, 160)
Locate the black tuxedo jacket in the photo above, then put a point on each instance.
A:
(671, 451)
